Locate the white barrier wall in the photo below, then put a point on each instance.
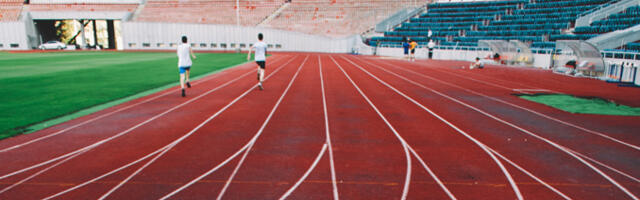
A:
(439, 54)
(18, 35)
(12, 36)
(150, 36)
(541, 60)
(637, 81)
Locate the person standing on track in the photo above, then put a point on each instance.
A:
(431, 45)
(260, 57)
(412, 45)
(405, 46)
(185, 53)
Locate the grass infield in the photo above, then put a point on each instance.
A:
(38, 87)
(582, 105)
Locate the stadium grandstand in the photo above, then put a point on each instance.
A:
(524, 32)
(537, 22)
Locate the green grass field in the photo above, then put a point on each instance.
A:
(37, 87)
(582, 105)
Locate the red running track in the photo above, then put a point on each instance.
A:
(338, 126)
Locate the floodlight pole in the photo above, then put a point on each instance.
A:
(238, 13)
(237, 26)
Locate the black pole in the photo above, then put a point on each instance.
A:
(95, 34)
(112, 34)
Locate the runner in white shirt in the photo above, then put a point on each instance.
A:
(260, 57)
(184, 62)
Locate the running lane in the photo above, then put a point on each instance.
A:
(370, 162)
(140, 141)
(210, 145)
(615, 143)
(619, 127)
(288, 146)
(465, 168)
(560, 169)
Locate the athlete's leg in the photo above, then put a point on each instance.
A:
(258, 74)
(187, 77)
(261, 75)
(182, 84)
(182, 71)
(187, 74)
(182, 80)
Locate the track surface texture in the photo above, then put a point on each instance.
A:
(331, 126)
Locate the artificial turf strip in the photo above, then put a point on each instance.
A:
(582, 105)
(41, 86)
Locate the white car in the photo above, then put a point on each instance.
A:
(53, 45)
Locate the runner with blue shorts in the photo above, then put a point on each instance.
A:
(184, 63)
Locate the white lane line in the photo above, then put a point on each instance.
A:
(37, 173)
(108, 114)
(432, 174)
(431, 67)
(604, 165)
(334, 182)
(82, 150)
(493, 78)
(493, 98)
(530, 174)
(235, 171)
(102, 176)
(165, 148)
(560, 147)
(405, 190)
(313, 166)
(326, 144)
(478, 143)
(523, 108)
(248, 145)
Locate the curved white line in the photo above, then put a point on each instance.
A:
(38, 173)
(313, 166)
(604, 165)
(530, 174)
(504, 170)
(527, 109)
(334, 182)
(106, 114)
(432, 174)
(405, 190)
(248, 145)
(540, 114)
(498, 80)
(166, 147)
(235, 171)
(326, 144)
(102, 176)
(562, 148)
(264, 125)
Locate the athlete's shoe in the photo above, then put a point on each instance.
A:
(183, 94)
(188, 85)
(260, 86)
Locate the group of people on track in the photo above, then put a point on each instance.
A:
(185, 54)
(410, 46)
